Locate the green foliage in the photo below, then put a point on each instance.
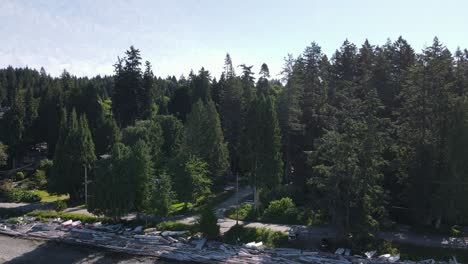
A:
(246, 213)
(22, 196)
(38, 180)
(177, 226)
(60, 206)
(261, 155)
(162, 196)
(3, 155)
(172, 132)
(281, 211)
(75, 151)
(45, 215)
(47, 197)
(204, 138)
(149, 132)
(19, 176)
(208, 223)
(246, 234)
(46, 164)
(128, 93)
(190, 176)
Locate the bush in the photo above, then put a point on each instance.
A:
(269, 237)
(19, 176)
(176, 226)
(45, 215)
(281, 211)
(22, 196)
(5, 188)
(456, 231)
(246, 212)
(38, 180)
(46, 164)
(60, 206)
(209, 223)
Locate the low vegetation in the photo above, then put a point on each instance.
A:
(241, 235)
(282, 211)
(45, 215)
(47, 197)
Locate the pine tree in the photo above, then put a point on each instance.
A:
(231, 111)
(128, 90)
(148, 95)
(263, 85)
(110, 195)
(162, 196)
(424, 122)
(141, 175)
(75, 151)
(200, 86)
(261, 153)
(151, 133)
(290, 114)
(204, 138)
(15, 123)
(190, 174)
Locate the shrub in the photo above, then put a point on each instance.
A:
(38, 180)
(269, 237)
(60, 206)
(45, 215)
(386, 247)
(456, 231)
(281, 211)
(46, 164)
(22, 196)
(19, 176)
(209, 223)
(176, 226)
(5, 188)
(246, 212)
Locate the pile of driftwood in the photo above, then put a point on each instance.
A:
(172, 245)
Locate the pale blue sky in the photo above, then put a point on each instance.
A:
(85, 37)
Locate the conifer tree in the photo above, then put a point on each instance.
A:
(128, 91)
(15, 123)
(204, 138)
(75, 151)
(261, 153)
(231, 111)
(162, 196)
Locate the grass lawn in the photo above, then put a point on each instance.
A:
(46, 197)
(178, 208)
(44, 215)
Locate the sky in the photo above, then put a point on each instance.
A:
(85, 37)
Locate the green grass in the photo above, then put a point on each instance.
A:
(45, 215)
(246, 212)
(46, 197)
(247, 234)
(178, 208)
(176, 226)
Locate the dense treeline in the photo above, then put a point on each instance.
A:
(371, 134)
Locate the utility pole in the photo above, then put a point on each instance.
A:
(86, 185)
(237, 196)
